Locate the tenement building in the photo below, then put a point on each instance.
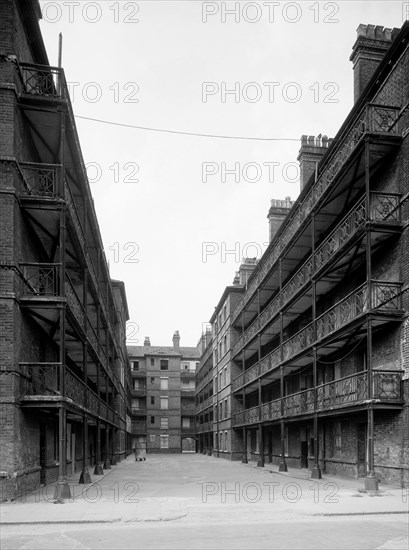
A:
(163, 396)
(64, 371)
(322, 324)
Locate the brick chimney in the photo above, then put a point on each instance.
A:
(247, 266)
(311, 151)
(147, 341)
(371, 44)
(176, 341)
(277, 213)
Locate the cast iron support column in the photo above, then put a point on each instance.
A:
(260, 461)
(98, 465)
(371, 481)
(85, 476)
(244, 459)
(62, 489)
(316, 471)
(107, 463)
(283, 465)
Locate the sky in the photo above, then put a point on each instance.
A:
(189, 116)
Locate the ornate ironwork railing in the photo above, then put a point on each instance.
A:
(268, 363)
(387, 385)
(384, 207)
(41, 179)
(374, 295)
(299, 403)
(344, 231)
(74, 304)
(271, 410)
(248, 416)
(39, 378)
(205, 404)
(301, 340)
(349, 390)
(74, 388)
(93, 402)
(43, 80)
(372, 118)
(41, 279)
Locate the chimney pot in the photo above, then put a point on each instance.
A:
(147, 341)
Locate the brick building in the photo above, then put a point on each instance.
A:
(163, 396)
(64, 371)
(322, 324)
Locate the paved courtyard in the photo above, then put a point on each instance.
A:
(196, 501)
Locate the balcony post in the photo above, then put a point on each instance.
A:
(283, 465)
(62, 489)
(316, 471)
(107, 463)
(244, 458)
(98, 465)
(85, 476)
(260, 462)
(371, 481)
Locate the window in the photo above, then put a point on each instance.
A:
(152, 420)
(164, 403)
(164, 422)
(152, 379)
(185, 422)
(152, 438)
(164, 383)
(164, 442)
(136, 384)
(224, 376)
(221, 442)
(185, 383)
(216, 443)
(220, 349)
(135, 365)
(225, 409)
(164, 364)
(152, 399)
(225, 343)
(221, 410)
(225, 312)
(152, 361)
(225, 442)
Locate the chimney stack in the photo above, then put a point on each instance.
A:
(311, 151)
(147, 342)
(277, 213)
(369, 49)
(247, 266)
(176, 341)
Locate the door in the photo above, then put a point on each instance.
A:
(304, 454)
(361, 449)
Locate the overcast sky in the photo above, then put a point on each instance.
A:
(178, 212)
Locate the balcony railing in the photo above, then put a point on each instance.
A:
(138, 411)
(138, 392)
(377, 295)
(41, 179)
(384, 207)
(380, 119)
(205, 427)
(205, 404)
(41, 279)
(42, 379)
(138, 426)
(347, 391)
(43, 80)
